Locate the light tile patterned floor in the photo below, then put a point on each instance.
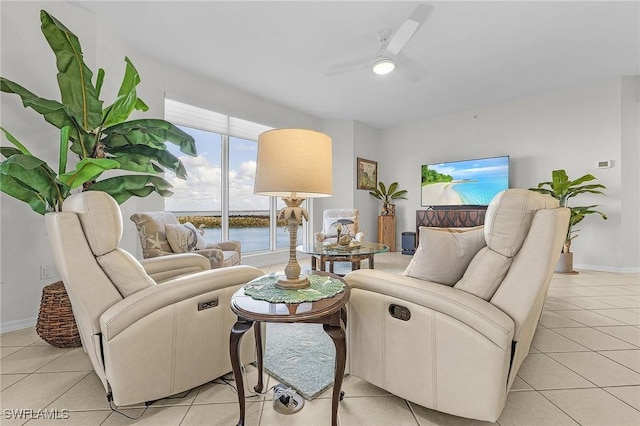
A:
(583, 368)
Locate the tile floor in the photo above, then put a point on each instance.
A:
(584, 368)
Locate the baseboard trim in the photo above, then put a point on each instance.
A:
(608, 269)
(15, 325)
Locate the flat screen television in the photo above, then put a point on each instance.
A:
(464, 183)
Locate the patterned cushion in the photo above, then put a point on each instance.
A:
(150, 226)
(184, 238)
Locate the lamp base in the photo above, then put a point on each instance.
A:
(292, 283)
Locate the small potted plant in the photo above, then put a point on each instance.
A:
(387, 196)
(563, 189)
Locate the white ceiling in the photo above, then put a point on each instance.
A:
(475, 53)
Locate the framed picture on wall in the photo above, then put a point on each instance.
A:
(367, 174)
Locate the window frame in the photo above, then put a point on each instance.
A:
(190, 116)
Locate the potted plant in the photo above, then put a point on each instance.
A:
(387, 196)
(563, 189)
(100, 137)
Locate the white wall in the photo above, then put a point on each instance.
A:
(367, 146)
(570, 129)
(28, 61)
(630, 170)
(32, 64)
(351, 139)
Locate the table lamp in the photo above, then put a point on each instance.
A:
(293, 164)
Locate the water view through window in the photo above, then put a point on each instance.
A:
(200, 199)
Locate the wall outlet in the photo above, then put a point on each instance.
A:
(45, 272)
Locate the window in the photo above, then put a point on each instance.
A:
(218, 192)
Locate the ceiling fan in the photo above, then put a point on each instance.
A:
(390, 54)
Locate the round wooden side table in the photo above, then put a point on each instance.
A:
(329, 312)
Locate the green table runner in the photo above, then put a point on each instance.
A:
(321, 287)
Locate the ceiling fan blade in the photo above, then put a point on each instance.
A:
(410, 69)
(349, 66)
(408, 28)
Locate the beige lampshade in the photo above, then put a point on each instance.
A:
(294, 162)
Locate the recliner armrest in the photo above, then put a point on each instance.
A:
(164, 268)
(226, 246)
(144, 302)
(477, 313)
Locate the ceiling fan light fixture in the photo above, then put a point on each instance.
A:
(383, 65)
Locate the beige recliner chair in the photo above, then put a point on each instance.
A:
(161, 234)
(146, 339)
(457, 347)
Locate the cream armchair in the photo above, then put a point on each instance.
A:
(346, 218)
(162, 234)
(146, 339)
(457, 347)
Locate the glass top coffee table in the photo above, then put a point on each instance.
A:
(331, 253)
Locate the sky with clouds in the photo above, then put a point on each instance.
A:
(201, 191)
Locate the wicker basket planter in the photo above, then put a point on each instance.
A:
(56, 324)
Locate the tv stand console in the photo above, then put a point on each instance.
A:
(453, 217)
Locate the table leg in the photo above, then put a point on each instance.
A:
(323, 261)
(257, 331)
(237, 331)
(370, 261)
(343, 316)
(337, 334)
(313, 262)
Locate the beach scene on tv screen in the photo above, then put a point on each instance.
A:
(468, 182)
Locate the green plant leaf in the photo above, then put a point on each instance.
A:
(82, 143)
(86, 170)
(137, 163)
(400, 195)
(32, 174)
(99, 81)
(150, 132)
(15, 189)
(52, 111)
(127, 99)
(582, 179)
(23, 149)
(383, 189)
(141, 106)
(64, 150)
(562, 189)
(30, 170)
(121, 188)
(79, 96)
(544, 191)
(142, 154)
(8, 151)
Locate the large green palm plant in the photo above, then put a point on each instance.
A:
(563, 189)
(101, 137)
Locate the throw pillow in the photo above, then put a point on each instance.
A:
(443, 254)
(184, 238)
(200, 243)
